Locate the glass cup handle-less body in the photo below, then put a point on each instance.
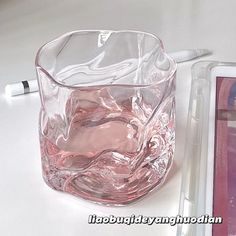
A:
(107, 118)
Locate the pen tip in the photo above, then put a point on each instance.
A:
(203, 52)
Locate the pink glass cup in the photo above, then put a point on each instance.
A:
(107, 114)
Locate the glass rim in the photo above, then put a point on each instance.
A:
(54, 80)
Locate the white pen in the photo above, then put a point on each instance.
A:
(29, 86)
(187, 55)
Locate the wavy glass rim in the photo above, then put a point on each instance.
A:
(54, 80)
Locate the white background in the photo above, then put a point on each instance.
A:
(27, 206)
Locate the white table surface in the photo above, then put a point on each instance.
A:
(27, 206)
